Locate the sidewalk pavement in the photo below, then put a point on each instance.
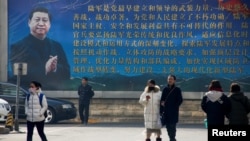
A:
(107, 132)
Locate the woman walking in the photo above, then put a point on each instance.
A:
(150, 99)
(215, 104)
(35, 107)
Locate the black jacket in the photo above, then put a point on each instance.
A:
(85, 93)
(240, 109)
(216, 105)
(36, 53)
(173, 101)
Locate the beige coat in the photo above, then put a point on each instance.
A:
(151, 108)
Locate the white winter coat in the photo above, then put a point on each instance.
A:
(33, 109)
(151, 108)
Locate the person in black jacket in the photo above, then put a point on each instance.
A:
(171, 100)
(85, 93)
(240, 106)
(45, 58)
(215, 104)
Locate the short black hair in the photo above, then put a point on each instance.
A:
(235, 87)
(37, 84)
(85, 78)
(40, 9)
(171, 75)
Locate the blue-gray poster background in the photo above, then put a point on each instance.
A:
(123, 43)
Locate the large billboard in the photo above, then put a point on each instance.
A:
(120, 44)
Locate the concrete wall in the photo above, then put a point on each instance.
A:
(129, 110)
(116, 94)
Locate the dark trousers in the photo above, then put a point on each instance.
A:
(84, 111)
(171, 129)
(39, 127)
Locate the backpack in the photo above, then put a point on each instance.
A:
(40, 100)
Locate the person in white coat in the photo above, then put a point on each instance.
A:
(150, 99)
(35, 111)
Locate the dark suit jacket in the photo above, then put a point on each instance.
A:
(173, 101)
(36, 53)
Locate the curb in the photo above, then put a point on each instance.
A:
(4, 130)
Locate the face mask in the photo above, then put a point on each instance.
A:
(151, 88)
(32, 90)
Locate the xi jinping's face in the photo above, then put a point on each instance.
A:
(39, 24)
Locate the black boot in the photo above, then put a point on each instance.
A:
(158, 139)
(147, 139)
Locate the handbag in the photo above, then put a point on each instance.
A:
(163, 119)
(163, 115)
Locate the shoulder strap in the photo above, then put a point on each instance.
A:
(28, 97)
(41, 99)
(169, 94)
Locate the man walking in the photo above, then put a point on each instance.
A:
(171, 100)
(85, 93)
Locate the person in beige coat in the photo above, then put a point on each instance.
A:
(150, 99)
